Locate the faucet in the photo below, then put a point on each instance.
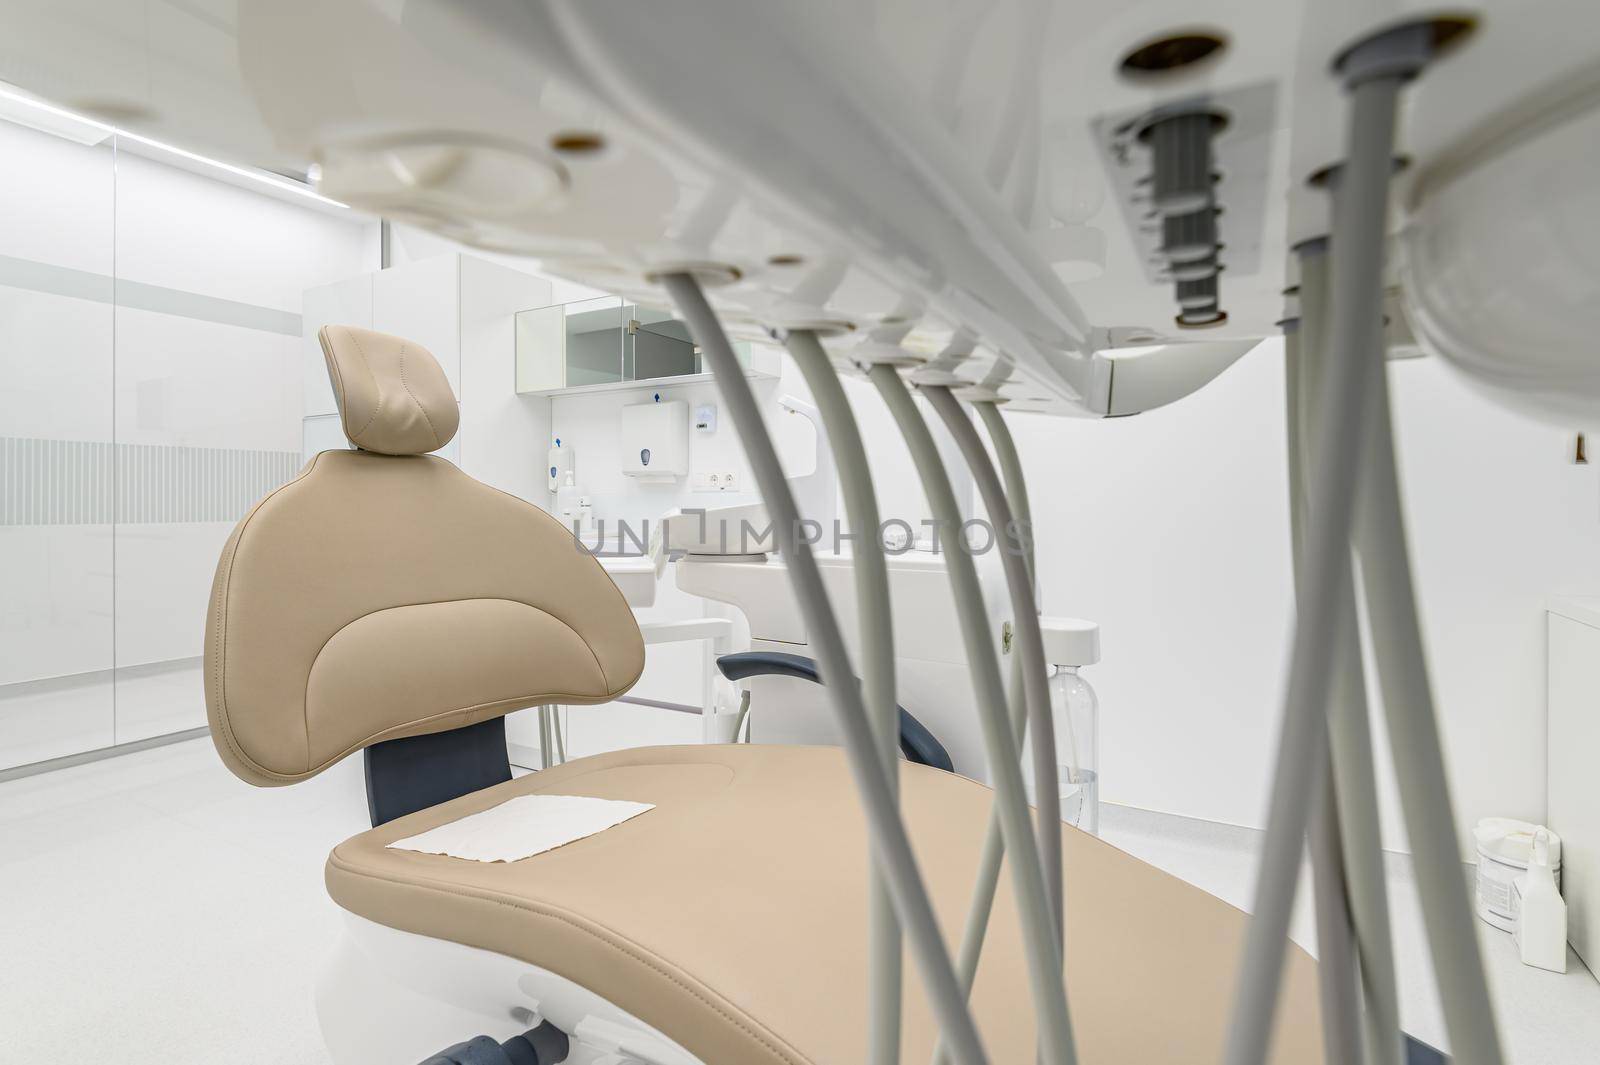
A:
(816, 493)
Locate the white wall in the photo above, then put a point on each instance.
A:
(408, 244)
(1500, 520)
(590, 424)
(1171, 530)
(504, 436)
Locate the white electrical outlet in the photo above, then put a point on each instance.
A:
(709, 481)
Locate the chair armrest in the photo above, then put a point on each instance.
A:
(916, 742)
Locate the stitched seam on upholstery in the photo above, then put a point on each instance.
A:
(305, 701)
(376, 387)
(631, 950)
(424, 410)
(604, 680)
(475, 599)
(338, 380)
(225, 586)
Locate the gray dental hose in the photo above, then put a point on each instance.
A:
(1005, 449)
(1044, 957)
(1338, 971)
(977, 926)
(1413, 726)
(877, 665)
(1354, 779)
(1029, 644)
(892, 845)
(1342, 426)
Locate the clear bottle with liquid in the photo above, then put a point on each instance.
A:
(1076, 710)
(1069, 645)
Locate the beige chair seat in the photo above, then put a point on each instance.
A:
(733, 916)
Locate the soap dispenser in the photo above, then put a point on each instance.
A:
(1541, 913)
(558, 466)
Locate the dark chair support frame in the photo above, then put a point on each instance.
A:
(916, 742)
(415, 772)
(544, 1045)
(1419, 1053)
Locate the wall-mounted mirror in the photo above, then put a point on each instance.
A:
(605, 342)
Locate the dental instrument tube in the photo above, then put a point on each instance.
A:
(1005, 450)
(1338, 980)
(1409, 712)
(892, 844)
(1000, 741)
(1354, 341)
(1029, 643)
(977, 925)
(1345, 1031)
(1353, 776)
(877, 663)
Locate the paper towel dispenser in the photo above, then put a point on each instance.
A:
(655, 440)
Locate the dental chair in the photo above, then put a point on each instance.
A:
(385, 601)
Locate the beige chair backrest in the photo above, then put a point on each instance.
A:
(384, 593)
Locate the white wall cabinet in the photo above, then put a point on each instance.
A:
(1574, 749)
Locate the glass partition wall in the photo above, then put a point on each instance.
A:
(150, 393)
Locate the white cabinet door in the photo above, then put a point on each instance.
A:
(346, 302)
(1574, 783)
(421, 301)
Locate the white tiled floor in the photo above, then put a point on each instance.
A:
(159, 910)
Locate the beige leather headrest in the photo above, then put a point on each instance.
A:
(393, 397)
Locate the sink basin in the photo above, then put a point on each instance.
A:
(635, 575)
(742, 530)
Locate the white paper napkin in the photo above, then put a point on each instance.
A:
(522, 827)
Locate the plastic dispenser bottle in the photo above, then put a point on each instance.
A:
(558, 465)
(567, 500)
(1069, 645)
(1541, 915)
